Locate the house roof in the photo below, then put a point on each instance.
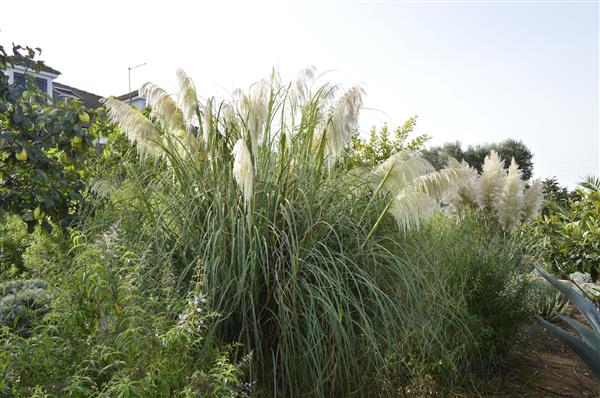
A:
(90, 100)
(132, 95)
(23, 61)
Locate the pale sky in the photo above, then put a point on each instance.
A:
(474, 71)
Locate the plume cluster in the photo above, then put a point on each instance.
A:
(417, 190)
(261, 116)
(341, 121)
(139, 129)
(500, 192)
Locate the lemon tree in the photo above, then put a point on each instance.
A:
(44, 148)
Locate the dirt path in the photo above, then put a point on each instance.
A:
(542, 366)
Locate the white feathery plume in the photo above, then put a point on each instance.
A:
(163, 107)
(532, 199)
(303, 81)
(187, 100)
(207, 122)
(510, 203)
(254, 108)
(340, 123)
(138, 129)
(418, 188)
(465, 196)
(455, 164)
(228, 118)
(299, 90)
(295, 97)
(409, 208)
(444, 184)
(490, 183)
(243, 171)
(399, 170)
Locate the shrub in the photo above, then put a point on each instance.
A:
(14, 240)
(45, 148)
(484, 272)
(567, 237)
(29, 255)
(22, 302)
(106, 335)
(380, 145)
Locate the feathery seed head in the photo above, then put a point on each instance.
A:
(163, 107)
(243, 171)
(490, 183)
(187, 99)
(207, 126)
(339, 124)
(399, 170)
(510, 204)
(533, 199)
(410, 207)
(138, 128)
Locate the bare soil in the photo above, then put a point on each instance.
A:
(540, 365)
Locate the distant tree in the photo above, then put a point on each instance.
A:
(382, 144)
(475, 155)
(438, 155)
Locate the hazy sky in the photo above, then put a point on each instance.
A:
(474, 71)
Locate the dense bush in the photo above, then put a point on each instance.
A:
(108, 335)
(483, 270)
(21, 302)
(24, 254)
(567, 235)
(237, 249)
(14, 240)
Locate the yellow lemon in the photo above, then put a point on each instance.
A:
(38, 213)
(21, 156)
(76, 141)
(84, 118)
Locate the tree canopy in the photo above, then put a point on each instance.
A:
(384, 143)
(475, 155)
(44, 146)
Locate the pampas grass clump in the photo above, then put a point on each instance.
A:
(300, 257)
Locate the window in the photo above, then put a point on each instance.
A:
(41, 83)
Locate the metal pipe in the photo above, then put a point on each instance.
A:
(129, 81)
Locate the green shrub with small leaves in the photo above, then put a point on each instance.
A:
(14, 240)
(30, 255)
(484, 268)
(21, 302)
(567, 237)
(382, 144)
(108, 333)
